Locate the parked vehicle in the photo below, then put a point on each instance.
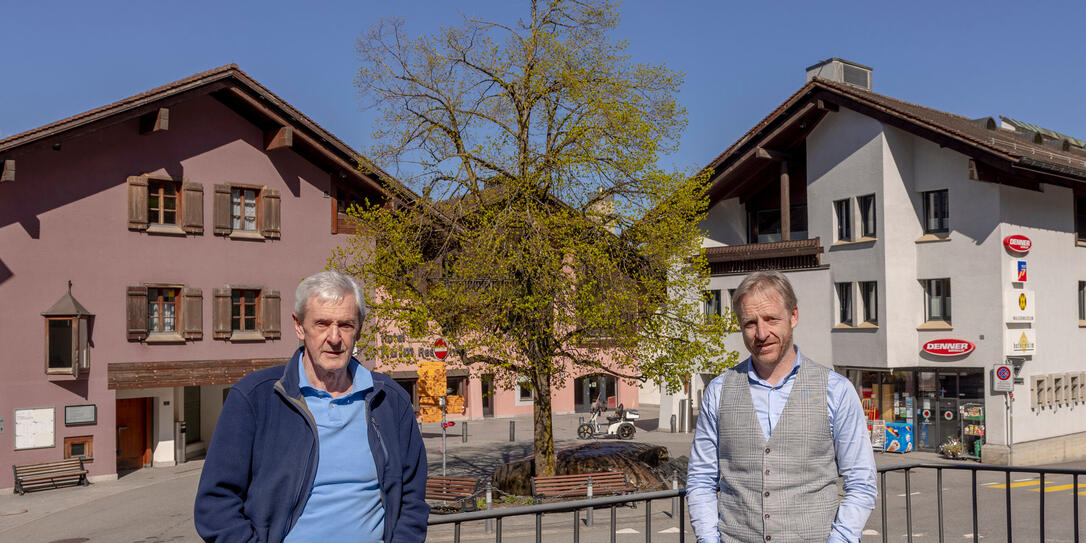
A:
(620, 425)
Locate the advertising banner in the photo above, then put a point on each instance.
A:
(1019, 341)
(1018, 306)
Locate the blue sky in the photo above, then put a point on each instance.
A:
(741, 59)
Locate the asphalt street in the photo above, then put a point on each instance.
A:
(155, 505)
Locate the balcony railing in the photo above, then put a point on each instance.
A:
(778, 255)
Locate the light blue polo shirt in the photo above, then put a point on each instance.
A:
(345, 502)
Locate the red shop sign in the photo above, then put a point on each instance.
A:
(1017, 244)
(949, 347)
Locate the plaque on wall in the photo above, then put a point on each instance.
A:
(80, 415)
(34, 428)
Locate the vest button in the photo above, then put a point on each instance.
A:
(767, 515)
(767, 450)
(769, 538)
(766, 494)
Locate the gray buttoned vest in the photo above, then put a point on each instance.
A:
(783, 489)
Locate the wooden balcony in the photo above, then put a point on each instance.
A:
(779, 255)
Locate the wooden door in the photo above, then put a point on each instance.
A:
(133, 433)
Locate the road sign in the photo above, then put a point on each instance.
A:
(1004, 378)
(448, 424)
(441, 350)
(948, 415)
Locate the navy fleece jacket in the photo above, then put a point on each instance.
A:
(263, 457)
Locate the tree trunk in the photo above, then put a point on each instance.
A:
(544, 429)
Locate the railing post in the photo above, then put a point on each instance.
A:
(576, 526)
(1042, 509)
(648, 521)
(682, 518)
(456, 533)
(512, 430)
(908, 506)
(882, 498)
(464, 432)
(498, 529)
(1007, 486)
(1074, 497)
(976, 526)
(614, 524)
(539, 528)
(673, 423)
(939, 498)
(489, 503)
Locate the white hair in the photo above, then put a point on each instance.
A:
(328, 286)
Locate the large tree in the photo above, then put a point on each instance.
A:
(547, 242)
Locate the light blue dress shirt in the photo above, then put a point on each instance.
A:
(345, 501)
(848, 424)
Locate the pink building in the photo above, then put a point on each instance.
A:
(183, 217)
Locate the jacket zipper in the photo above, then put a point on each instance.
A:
(380, 468)
(296, 512)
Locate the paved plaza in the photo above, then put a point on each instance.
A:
(155, 505)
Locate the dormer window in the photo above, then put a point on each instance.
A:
(67, 337)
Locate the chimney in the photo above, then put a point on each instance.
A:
(842, 71)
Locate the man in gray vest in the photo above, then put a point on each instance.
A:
(774, 433)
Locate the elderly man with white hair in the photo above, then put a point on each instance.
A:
(320, 449)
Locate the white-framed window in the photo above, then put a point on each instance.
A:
(712, 304)
(243, 211)
(869, 297)
(525, 392)
(936, 299)
(842, 214)
(867, 215)
(936, 211)
(844, 303)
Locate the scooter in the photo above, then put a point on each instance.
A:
(620, 425)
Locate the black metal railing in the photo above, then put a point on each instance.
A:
(678, 507)
(575, 507)
(908, 469)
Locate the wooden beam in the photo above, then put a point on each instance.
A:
(155, 121)
(826, 106)
(7, 171)
(280, 138)
(303, 139)
(794, 120)
(770, 154)
(786, 204)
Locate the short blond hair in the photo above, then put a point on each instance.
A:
(761, 281)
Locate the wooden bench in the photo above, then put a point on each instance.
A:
(456, 489)
(49, 475)
(563, 486)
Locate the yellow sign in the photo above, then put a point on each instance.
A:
(1022, 302)
(431, 378)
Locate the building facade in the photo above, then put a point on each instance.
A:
(928, 250)
(149, 252)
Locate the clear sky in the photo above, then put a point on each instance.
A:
(741, 59)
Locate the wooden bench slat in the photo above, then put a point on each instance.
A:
(451, 489)
(45, 475)
(608, 482)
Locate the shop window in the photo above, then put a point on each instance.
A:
(246, 314)
(79, 447)
(842, 214)
(936, 212)
(162, 313)
(936, 300)
(712, 304)
(869, 297)
(247, 212)
(844, 303)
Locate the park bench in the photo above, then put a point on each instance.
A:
(455, 489)
(49, 474)
(562, 486)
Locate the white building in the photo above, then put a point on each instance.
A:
(896, 243)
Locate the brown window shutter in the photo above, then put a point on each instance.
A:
(192, 313)
(222, 210)
(270, 208)
(137, 313)
(192, 208)
(270, 314)
(137, 203)
(220, 314)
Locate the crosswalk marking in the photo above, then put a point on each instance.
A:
(1019, 484)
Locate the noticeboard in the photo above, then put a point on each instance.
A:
(34, 428)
